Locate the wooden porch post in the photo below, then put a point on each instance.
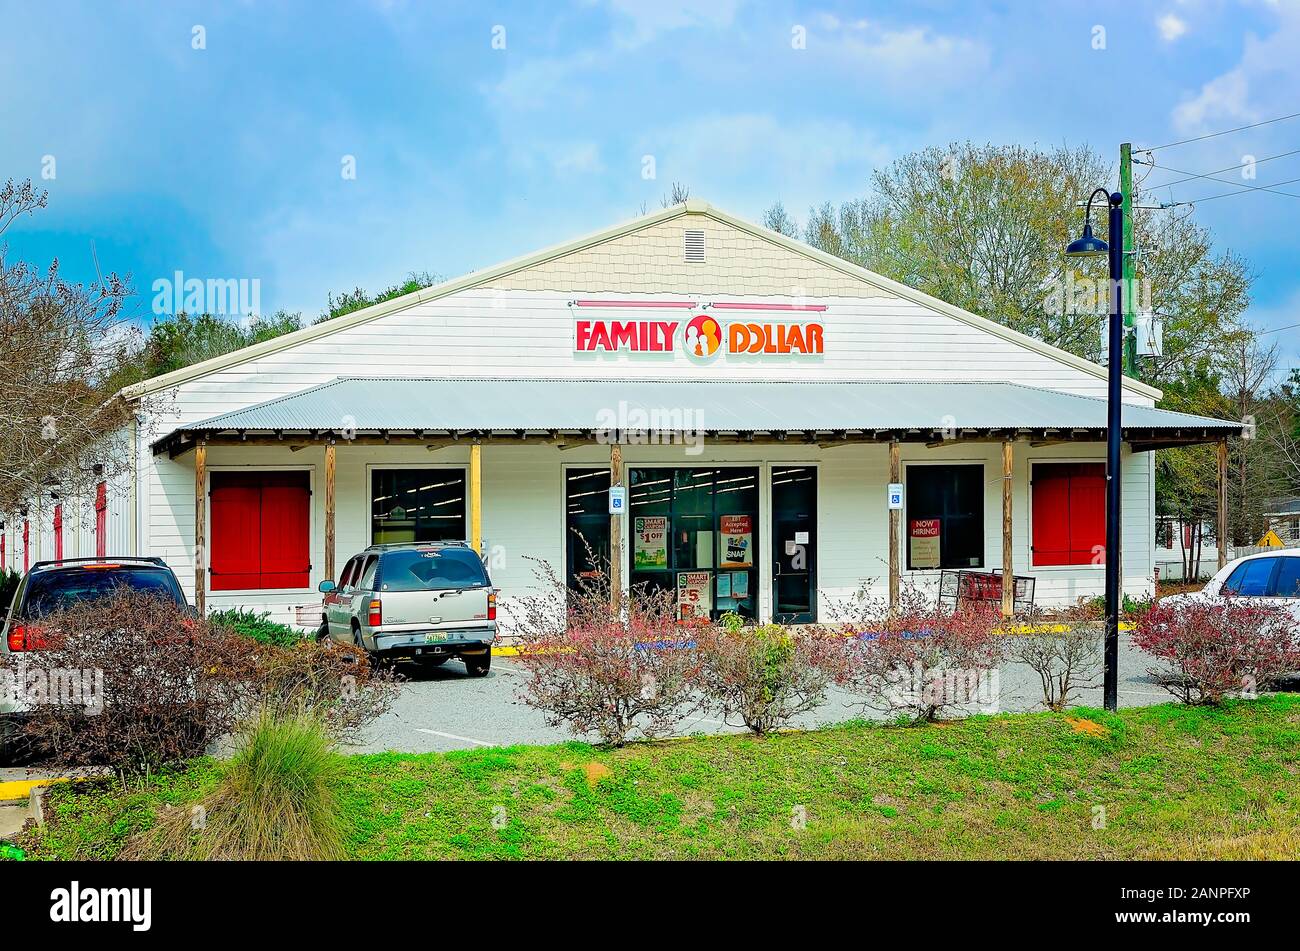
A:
(330, 465)
(615, 533)
(1008, 551)
(1221, 524)
(200, 527)
(476, 497)
(894, 518)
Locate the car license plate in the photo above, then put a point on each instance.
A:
(437, 637)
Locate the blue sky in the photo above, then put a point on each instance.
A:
(226, 161)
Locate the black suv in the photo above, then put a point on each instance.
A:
(51, 586)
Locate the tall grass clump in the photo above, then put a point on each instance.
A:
(275, 801)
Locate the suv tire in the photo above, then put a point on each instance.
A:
(478, 666)
(323, 632)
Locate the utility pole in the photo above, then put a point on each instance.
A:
(1128, 258)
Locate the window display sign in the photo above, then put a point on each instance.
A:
(924, 552)
(694, 594)
(650, 542)
(737, 541)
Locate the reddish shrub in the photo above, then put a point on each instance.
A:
(920, 661)
(596, 671)
(766, 676)
(336, 684)
(1215, 648)
(132, 682)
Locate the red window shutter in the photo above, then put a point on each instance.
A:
(235, 563)
(27, 545)
(58, 532)
(101, 519)
(4, 565)
(1051, 515)
(260, 536)
(286, 509)
(1087, 512)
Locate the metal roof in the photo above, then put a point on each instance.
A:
(356, 405)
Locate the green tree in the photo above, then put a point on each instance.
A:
(984, 228)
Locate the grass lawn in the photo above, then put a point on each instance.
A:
(1175, 782)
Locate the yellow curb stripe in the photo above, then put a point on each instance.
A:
(22, 788)
(505, 651)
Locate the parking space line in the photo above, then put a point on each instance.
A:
(453, 736)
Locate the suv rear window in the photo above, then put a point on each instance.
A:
(430, 569)
(51, 591)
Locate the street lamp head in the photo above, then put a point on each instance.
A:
(1086, 245)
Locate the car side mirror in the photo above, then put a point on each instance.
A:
(325, 587)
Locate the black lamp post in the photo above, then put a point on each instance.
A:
(1089, 246)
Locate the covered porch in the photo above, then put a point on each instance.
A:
(861, 440)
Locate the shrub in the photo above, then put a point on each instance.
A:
(132, 682)
(920, 662)
(765, 675)
(1218, 647)
(1065, 662)
(596, 671)
(259, 627)
(275, 801)
(337, 684)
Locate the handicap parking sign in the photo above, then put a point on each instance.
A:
(617, 500)
(895, 495)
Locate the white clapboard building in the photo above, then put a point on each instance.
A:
(767, 401)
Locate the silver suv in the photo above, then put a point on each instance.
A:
(426, 601)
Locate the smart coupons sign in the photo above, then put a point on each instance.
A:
(702, 337)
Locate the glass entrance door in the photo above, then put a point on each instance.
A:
(586, 526)
(794, 544)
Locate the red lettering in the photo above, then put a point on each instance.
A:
(583, 339)
(667, 331)
(814, 338)
(624, 334)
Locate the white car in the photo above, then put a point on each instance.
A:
(1271, 577)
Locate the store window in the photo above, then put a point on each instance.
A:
(945, 516)
(695, 533)
(261, 530)
(586, 525)
(417, 505)
(1068, 513)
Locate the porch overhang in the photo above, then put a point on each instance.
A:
(439, 412)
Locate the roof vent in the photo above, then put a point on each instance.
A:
(694, 247)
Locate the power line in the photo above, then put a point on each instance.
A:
(1277, 329)
(1211, 135)
(1247, 188)
(1220, 171)
(1210, 177)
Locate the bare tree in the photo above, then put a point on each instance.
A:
(676, 196)
(62, 345)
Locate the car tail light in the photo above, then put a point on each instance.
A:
(376, 617)
(492, 605)
(24, 638)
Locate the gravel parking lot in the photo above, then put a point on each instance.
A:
(445, 709)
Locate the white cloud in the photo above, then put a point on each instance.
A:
(1171, 27)
(913, 57)
(644, 20)
(1261, 85)
(726, 158)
